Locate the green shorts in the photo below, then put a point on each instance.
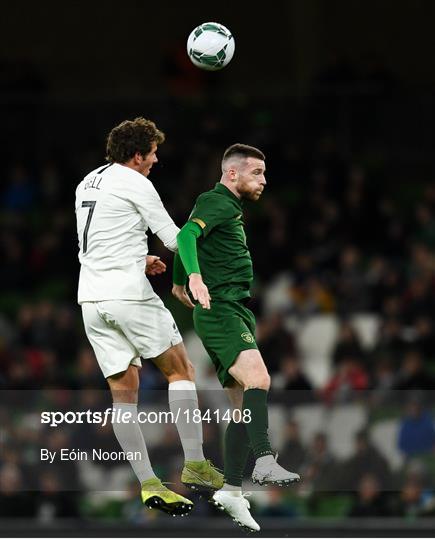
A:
(225, 330)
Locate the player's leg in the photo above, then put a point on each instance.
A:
(251, 373)
(152, 330)
(227, 332)
(119, 362)
(230, 498)
(198, 473)
(236, 443)
(150, 327)
(124, 388)
(115, 356)
(183, 399)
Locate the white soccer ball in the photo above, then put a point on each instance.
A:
(210, 46)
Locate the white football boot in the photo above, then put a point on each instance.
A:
(237, 506)
(267, 472)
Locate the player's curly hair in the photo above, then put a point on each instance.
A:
(132, 136)
(243, 150)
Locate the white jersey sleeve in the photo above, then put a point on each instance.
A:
(148, 203)
(115, 206)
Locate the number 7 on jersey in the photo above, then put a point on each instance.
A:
(91, 206)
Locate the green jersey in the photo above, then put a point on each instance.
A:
(223, 255)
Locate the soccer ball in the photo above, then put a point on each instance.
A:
(210, 46)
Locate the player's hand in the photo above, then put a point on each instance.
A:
(180, 293)
(199, 290)
(154, 266)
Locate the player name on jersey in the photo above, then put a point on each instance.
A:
(94, 183)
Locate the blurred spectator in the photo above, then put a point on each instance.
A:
(274, 340)
(413, 501)
(14, 502)
(417, 430)
(347, 344)
(319, 469)
(13, 271)
(297, 388)
(424, 338)
(390, 341)
(370, 501)
(418, 300)
(55, 498)
(65, 470)
(20, 192)
(418, 478)
(292, 452)
(276, 504)
(366, 460)
(311, 297)
(50, 184)
(384, 281)
(352, 293)
(88, 371)
(413, 374)
(166, 455)
(66, 338)
(347, 382)
(422, 263)
(382, 381)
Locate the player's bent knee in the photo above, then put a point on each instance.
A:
(266, 382)
(123, 393)
(184, 372)
(175, 365)
(261, 381)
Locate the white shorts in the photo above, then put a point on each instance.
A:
(122, 331)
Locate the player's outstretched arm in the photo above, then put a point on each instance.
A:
(154, 266)
(186, 240)
(179, 279)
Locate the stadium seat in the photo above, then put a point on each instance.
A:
(341, 424)
(277, 420)
(310, 419)
(366, 326)
(384, 438)
(318, 369)
(316, 339)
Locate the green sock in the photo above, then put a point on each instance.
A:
(235, 453)
(255, 400)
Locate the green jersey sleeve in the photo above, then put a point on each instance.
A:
(209, 211)
(187, 251)
(179, 275)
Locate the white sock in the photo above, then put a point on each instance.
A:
(130, 438)
(235, 491)
(182, 397)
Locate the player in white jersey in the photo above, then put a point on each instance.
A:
(124, 319)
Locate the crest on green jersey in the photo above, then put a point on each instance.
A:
(248, 337)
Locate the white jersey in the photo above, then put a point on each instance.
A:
(115, 206)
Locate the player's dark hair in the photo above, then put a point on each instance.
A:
(243, 150)
(132, 136)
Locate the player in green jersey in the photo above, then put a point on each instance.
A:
(213, 252)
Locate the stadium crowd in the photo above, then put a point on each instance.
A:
(333, 235)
